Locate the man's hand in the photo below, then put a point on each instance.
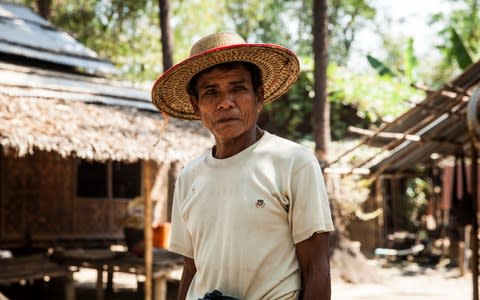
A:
(189, 270)
(312, 255)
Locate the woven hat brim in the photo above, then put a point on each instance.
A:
(279, 67)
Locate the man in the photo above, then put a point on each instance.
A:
(251, 215)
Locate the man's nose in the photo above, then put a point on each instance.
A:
(226, 101)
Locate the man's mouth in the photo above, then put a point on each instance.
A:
(227, 119)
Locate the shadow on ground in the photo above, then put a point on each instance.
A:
(40, 290)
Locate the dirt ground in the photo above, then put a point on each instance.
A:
(408, 281)
(399, 281)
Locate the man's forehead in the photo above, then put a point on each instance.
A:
(235, 74)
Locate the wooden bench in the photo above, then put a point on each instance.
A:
(102, 260)
(33, 267)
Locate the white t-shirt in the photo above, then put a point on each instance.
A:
(240, 217)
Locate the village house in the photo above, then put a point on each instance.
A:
(75, 146)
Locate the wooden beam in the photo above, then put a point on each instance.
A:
(430, 98)
(383, 134)
(423, 123)
(453, 95)
(456, 89)
(423, 88)
(456, 114)
(346, 170)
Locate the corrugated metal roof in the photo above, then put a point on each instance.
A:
(32, 82)
(15, 11)
(24, 33)
(435, 125)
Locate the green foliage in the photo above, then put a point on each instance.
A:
(193, 19)
(126, 32)
(414, 203)
(458, 50)
(289, 23)
(380, 67)
(460, 37)
(268, 21)
(355, 99)
(410, 61)
(290, 116)
(346, 18)
(376, 98)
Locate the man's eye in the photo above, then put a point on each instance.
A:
(210, 92)
(239, 88)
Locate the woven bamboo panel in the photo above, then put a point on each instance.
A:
(37, 198)
(39, 204)
(20, 186)
(91, 216)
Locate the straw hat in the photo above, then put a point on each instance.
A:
(279, 67)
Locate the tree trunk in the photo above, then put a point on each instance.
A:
(346, 259)
(321, 108)
(43, 7)
(166, 38)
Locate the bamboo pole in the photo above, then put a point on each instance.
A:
(386, 135)
(148, 232)
(474, 231)
(472, 122)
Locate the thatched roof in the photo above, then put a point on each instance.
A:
(94, 132)
(45, 113)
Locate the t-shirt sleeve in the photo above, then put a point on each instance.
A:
(180, 238)
(310, 209)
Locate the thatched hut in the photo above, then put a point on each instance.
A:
(73, 148)
(420, 143)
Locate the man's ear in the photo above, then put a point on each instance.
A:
(260, 98)
(260, 95)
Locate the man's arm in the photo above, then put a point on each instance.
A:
(189, 270)
(312, 255)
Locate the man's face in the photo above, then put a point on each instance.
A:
(227, 103)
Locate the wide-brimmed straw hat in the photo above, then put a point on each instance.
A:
(278, 65)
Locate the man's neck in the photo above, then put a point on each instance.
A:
(228, 148)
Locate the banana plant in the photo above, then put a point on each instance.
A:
(458, 51)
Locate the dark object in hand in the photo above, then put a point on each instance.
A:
(216, 295)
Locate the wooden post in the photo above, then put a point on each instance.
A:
(381, 218)
(109, 289)
(148, 234)
(395, 203)
(474, 231)
(69, 287)
(100, 283)
(160, 288)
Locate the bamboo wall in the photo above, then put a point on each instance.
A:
(39, 207)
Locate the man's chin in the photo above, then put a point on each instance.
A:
(227, 132)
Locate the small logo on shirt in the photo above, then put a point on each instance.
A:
(260, 203)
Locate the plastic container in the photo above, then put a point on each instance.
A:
(161, 236)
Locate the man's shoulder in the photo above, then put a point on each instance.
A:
(287, 148)
(194, 165)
